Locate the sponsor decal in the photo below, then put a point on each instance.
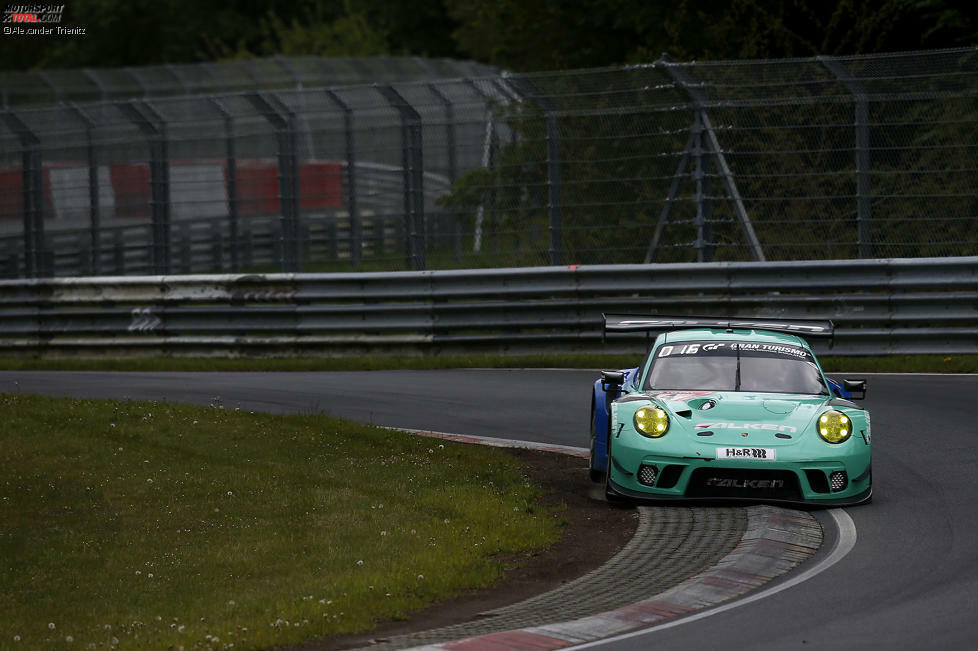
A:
(755, 454)
(723, 323)
(718, 482)
(679, 396)
(732, 348)
(771, 427)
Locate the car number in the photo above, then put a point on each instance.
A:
(759, 454)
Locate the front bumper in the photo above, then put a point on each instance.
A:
(788, 482)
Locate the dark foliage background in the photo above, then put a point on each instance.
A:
(513, 34)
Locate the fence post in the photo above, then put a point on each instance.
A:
(553, 190)
(353, 206)
(294, 196)
(704, 203)
(159, 181)
(413, 171)
(554, 208)
(287, 181)
(449, 130)
(32, 175)
(95, 264)
(699, 105)
(670, 200)
(864, 205)
(232, 171)
(451, 146)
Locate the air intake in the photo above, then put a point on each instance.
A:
(647, 475)
(838, 480)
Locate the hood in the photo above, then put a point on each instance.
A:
(768, 418)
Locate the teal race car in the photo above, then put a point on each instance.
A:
(730, 409)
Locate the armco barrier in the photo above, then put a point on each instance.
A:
(896, 306)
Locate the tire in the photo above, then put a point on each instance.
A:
(610, 494)
(595, 474)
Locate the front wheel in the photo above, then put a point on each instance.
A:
(610, 494)
(595, 474)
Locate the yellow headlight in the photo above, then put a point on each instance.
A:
(834, 426)
(651, 421)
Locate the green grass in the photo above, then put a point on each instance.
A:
(157, 524)
(895, 363)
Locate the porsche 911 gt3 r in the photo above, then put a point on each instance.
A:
(730, 409)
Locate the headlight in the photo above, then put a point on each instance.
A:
(834, 426)
(651, 421)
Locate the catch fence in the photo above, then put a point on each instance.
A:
(798, 159)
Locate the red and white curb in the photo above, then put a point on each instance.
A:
(776, 541)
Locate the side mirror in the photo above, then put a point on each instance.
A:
(855, 387)
(612, 379)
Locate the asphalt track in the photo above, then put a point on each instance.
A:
(910, 582)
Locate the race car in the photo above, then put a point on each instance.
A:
(730, 409)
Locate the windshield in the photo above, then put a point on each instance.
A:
(735, 366)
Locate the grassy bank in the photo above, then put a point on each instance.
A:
(156, 524)
(888, 364)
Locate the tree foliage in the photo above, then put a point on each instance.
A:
(513, 34)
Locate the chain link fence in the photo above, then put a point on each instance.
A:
(801, 159)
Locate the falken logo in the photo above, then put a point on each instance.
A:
(771, 427)
(744, 483)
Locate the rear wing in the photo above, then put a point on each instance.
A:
(661, 323)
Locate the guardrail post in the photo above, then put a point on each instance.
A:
(32, 186)
(352, 202)
(413, 171)
(864, 206)
(154, 128)
(231, 164)
(287, 179)
(94, 209)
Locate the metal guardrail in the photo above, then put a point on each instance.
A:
(892, 306)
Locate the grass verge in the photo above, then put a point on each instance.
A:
(892, 363)
(161, 525)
